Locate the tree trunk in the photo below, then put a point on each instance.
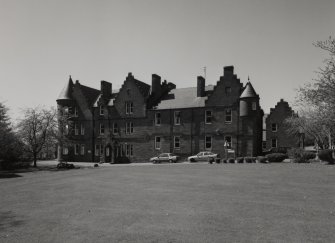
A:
(35, 160)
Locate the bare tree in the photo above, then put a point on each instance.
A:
(35, 128)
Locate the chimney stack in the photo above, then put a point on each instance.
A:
(106, 89)
(200, 86)
(156, 85)
(228, 71)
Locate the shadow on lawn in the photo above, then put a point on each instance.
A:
(9, 220)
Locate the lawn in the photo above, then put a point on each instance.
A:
(171, 203)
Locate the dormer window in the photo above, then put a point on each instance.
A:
(129, 107)
(102, 110)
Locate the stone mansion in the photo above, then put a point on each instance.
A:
(140, 120)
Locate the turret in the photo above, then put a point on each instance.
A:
(249, 100)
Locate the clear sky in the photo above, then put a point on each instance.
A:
(42, 42)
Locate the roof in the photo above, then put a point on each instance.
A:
(90, 94)
(249, 91)
(143, 87)
(65, 94)
(110, 102)
(183, 98)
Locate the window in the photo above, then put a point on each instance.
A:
(102, 128)
(66, 110)
(208, 142)
(157, 118)
(129, 150)
(274, 143)
(254, 106)
(65, 151)
(66, 129)
(228, 115)
(76, 149)
(177, 142)
(107, 151)
(228, 141)
(274, 127)
(115, 128)
(129, 127)
(208, 117)
(264, 145)
(98, 149)
(76, 111)
(82, 149)
(177, 117)
(82, 129)
(76, 129)
(102, 110)
(129, 107)
(158, 143)
(228, 90)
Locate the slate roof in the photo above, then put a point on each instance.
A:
(65, 94)
(111, 101)
(143, 87)
(249, 91)
(90, 94)
(184, 98)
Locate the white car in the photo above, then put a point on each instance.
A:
(203, 156)
(165, 157)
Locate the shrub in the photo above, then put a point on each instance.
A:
(224, 161)
(276, 157)
(231, 160)
(326, 155)
(239, 159)
(262, 159)
(299, 155)
(250, 159)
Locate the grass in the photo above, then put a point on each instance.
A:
(171, 203)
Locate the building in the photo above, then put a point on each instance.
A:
(140, 121)
(277, 135)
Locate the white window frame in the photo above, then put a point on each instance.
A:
(76, 129)
(101, 110)
(129, 127)
(177, 117)
(276, 127)
(230, 143)
(82, 129)
(129, 150)
(115, 128)
(158, 118)
(158, 144)
(208, 115)
(254, 106)
(175, 142)
(102, 129)
(82, 149)
(228, 115)
(211, 142)
(276, 141)
(65, 151)
(129, 107)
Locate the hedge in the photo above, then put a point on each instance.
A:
(326, 155)
(276, 157)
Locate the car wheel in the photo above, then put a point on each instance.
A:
(192, 160)
(170, 161)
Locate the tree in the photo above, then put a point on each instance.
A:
(10, 146)
(316, 101)
(35, 129)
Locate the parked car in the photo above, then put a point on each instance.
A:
(203, 156)
(165, 157)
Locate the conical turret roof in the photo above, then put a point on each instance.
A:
(66, 92)
(249, 91)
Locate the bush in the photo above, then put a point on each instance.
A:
(231, 160)
(299, 155)
(239, 159)
(224, 161)
(326, 155)
(262, 159)
(276, 157)
(250, 159)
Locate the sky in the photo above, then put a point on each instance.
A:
(42, 42)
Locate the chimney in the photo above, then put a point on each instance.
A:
(228, 71)
(200, 86)
(156, 85)
(106, 89)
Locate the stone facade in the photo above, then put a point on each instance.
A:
(276, 129)
(140, 121)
